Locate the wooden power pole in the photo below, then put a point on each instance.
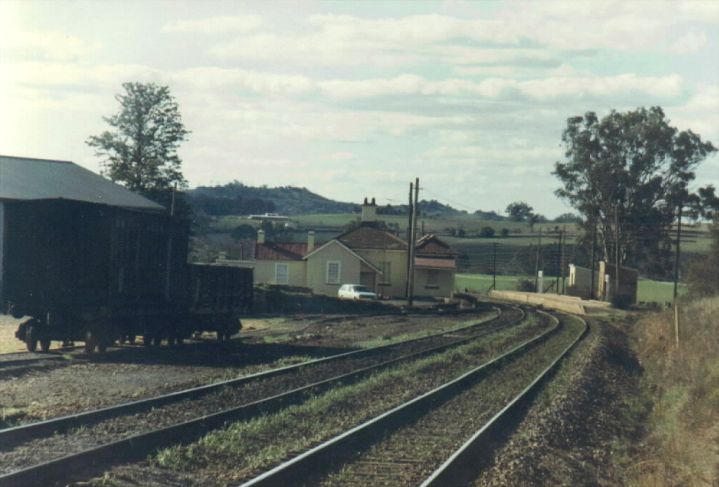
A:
(676, 255)
(412, 243)
(409, 238)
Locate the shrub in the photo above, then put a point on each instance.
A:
(486, 232)
(504, 232)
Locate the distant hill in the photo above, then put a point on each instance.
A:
(236, 198)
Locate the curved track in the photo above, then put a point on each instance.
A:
(357, 365)
(387, 444)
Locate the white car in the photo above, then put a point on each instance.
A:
(355, 291)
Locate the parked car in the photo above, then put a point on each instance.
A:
(355, 291)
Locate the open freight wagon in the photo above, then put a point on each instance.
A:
(104, 265)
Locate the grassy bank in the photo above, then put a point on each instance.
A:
(682, 382)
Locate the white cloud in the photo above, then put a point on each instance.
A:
(689, 42)
(44, 45)
(215, 25)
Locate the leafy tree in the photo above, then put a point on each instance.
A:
(140, 151)
(519, 211)
(703, 274)
(486, 232)
(636, 168)
(243, 231)
(568, 218)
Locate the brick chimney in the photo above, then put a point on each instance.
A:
(310, 241)
(260, 236)
(369, 211)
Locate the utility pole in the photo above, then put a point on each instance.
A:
(676, 255)
(494, 266)
(410, 211)
(594, 258)
(562, 239)
(412, 243)
(536, 261)
(616, 250)
(559, 265)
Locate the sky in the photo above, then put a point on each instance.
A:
(355, 99)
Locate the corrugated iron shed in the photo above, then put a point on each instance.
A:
(24, 179)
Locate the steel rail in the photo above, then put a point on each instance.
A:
(460, 467)
(345, 445)
(139, 445)
(37, 429)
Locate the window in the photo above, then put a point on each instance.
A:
(386, 268)
(282, 273)
(432, 278)
(333, 272)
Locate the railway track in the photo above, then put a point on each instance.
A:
(13, 364)
(181, 418)
(409, 444)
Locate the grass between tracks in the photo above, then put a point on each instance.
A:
(387, 340)
(249, 447)
(682, 430)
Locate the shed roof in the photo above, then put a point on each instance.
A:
(25, 179)
(431, 246)
(280, 250)
(369, 237)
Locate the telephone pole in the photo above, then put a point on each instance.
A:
(412, 243)
(410, 211)
(562, 240)
(594, 258)
(536, 261)
(494, 266)
(676, 256)
(616, 250)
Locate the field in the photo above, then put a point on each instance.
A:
(649, 291)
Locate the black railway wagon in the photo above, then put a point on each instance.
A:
(217, 296)
(85, 259)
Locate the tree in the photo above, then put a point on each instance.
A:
(141, 150)
(519, 211)
(486, 232)
(633, 168)
(703, 273)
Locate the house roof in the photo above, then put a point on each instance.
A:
(430, 263)
(349, 250)
(368, 237)
(280, 250)
(25, 179)
(431, 246)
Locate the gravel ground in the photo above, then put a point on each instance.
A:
(134, 373)
(573, 435)
(300, 430)
(45, 449)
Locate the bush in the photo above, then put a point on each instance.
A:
(486, 232)
(504, 232)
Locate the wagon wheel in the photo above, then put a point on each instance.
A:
(31, 339)
(44, 344)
